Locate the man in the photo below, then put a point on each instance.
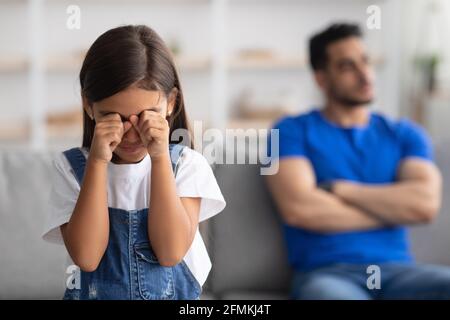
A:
(349, 180)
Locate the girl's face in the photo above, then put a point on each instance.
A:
(132, 101)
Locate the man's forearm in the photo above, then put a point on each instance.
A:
(302, 204)
(321, 211)
(408, 202)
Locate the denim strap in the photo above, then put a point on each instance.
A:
(77, 161)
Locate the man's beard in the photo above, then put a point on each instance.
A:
(350, 103)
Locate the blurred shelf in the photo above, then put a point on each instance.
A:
(64, 63)
(245, 124)
(72, 63)
(19, 132)
(279, 63)
(64, 133)
(186, 63)
(12, 63)
(378, 60)
(441, 95)
(275, 63)
(62, 126)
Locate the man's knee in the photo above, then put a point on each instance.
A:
(439, 279)
(328, 287)
(420, 282)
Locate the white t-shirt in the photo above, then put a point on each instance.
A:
(129, 189)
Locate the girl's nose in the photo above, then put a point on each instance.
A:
(132, 135)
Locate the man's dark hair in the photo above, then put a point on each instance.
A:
(319, 42)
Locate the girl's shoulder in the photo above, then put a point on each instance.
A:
(62, 163)
(64, 154)
(193, 157)
(195, 178)
(63, 174)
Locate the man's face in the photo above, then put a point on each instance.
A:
(348, 76)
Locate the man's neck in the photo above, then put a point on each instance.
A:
(347, 116)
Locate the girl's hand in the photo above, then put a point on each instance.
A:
(153, 129)
(108, 133)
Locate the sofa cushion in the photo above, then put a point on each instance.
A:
(30, 267)
(431, 243)
(245, 241)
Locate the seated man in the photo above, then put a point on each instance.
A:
(349, 180)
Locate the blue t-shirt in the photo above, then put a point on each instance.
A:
(368, 154)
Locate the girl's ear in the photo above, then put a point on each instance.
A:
(171, 101)
(87, 107)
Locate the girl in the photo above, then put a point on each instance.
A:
(128, 203)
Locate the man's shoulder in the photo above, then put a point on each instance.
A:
(399, 126)
(296, 121)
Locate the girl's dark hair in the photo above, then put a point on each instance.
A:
(125, 56)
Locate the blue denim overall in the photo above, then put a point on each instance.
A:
(129, 269)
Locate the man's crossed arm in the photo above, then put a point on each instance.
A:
(413, 199)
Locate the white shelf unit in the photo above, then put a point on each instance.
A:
(214, 74)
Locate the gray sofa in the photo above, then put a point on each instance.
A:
(245, 241)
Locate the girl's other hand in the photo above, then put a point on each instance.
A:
(108, 133)
(153, 129)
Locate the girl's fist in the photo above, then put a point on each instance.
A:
(108, 133)
(153, 129)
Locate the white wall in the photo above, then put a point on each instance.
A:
(286, 26)
(283, 25)
(422, 33)
(419, 35)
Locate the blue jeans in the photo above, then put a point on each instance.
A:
(349, 282)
